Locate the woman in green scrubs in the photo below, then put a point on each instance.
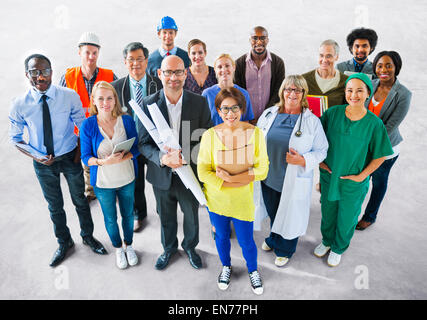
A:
(358, 145)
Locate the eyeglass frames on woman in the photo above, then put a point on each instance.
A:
(234, 109)
(296, 90)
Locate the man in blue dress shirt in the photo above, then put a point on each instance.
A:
(49, 113)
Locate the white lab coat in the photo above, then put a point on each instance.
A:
(294, 208)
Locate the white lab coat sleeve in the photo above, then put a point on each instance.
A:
(320, 146)
(260, 210)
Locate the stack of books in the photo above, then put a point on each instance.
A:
(317, 104)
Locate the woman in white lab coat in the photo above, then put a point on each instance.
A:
(296, 144)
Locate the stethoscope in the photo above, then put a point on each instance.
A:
(298, 133)
(150, 86)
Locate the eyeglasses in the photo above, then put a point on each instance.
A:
(225, 110)
(169, 73)
(261, 38)
(132, 60)
(36, 72)
(296, 90)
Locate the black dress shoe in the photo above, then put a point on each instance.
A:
(163, 260)
(94, 244)
(61, 253)
(137, 227)
(195, 260)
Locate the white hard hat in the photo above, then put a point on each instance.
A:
(89, 38)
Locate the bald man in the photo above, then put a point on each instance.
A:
(188, 116)
(260, 72)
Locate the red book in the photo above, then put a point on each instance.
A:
(317, 104)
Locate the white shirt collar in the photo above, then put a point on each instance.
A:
(169, 104)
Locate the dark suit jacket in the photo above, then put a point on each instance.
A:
(195, 113)
(277, 76)
(152, 84)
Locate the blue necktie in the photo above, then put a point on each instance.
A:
(47, 128)
(139, 94)
(138, 97)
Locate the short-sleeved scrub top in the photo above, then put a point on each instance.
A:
(352, 146)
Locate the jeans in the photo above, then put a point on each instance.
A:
(49, 179)
(379, 187)
(107, 199)
(281, 247)
(244, 232)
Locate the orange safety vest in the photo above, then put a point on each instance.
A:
(74, 80)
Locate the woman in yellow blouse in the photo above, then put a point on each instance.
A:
(230, 196)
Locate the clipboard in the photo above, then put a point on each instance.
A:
(237, 160)
(124, 145)
(33, 153)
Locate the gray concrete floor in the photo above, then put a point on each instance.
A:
(386, 261)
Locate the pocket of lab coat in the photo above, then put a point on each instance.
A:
(303, 188)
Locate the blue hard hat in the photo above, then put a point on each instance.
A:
(167, 23)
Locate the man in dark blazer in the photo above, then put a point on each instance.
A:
(188, 116)
(136, 85)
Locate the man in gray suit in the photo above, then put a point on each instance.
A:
(188, 115)
(361, 42)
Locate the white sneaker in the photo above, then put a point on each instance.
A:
(224, 278)
(265, 247)
(281, 261)
(131, 256)
(321, 250)
(334, 259)
(256, 282)
(121, 258)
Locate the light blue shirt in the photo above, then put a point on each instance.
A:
(133, 83)
(163, 51)
(277, 140)
(65, 110)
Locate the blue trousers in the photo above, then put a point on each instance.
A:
(107, 199)
(50, 182)
(281, 247)
(379, 180)
(244, 232)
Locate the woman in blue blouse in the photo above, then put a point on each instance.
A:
(225, 67)
(200, 76)
(112, 175)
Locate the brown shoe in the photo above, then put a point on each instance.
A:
(362, 225)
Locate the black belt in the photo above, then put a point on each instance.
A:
(65, 155)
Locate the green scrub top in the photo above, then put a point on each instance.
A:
(352, 146)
